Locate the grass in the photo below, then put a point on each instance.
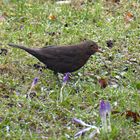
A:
(44, 116)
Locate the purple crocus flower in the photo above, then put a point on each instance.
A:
(78, 121)
(88, 127)
(108, 111)
(108, 107)
(32, 86)
(105, 110)
(102, 109)
(66, 77)
(34, 81)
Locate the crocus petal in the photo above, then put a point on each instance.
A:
(35, 81)
(80, 122)
(93, 134)
(102, 109)
(108, 111)
(103, 114)
(81, 132)
(66, 77)
(108, 107)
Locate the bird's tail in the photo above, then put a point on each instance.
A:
(29, 50)
(17, 46)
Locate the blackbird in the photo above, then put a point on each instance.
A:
(63, 59)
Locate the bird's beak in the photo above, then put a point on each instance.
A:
(99, 50)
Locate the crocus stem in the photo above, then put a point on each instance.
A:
(109, 123)
(61, 92)
(104, 124)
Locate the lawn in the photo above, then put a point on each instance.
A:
(112, 76)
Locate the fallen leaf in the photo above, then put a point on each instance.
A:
(103, 82)
(52, 17)
(128, 114)
(135, 116)
(128, 17)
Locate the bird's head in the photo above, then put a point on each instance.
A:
(93, 47)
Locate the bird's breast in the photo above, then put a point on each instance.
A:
(64, 65)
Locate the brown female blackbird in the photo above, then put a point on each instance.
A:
(63, 59)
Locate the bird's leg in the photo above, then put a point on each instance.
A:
(83, 73)
(57, 77)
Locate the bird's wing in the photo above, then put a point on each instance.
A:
(61, 52)
(62, 60)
